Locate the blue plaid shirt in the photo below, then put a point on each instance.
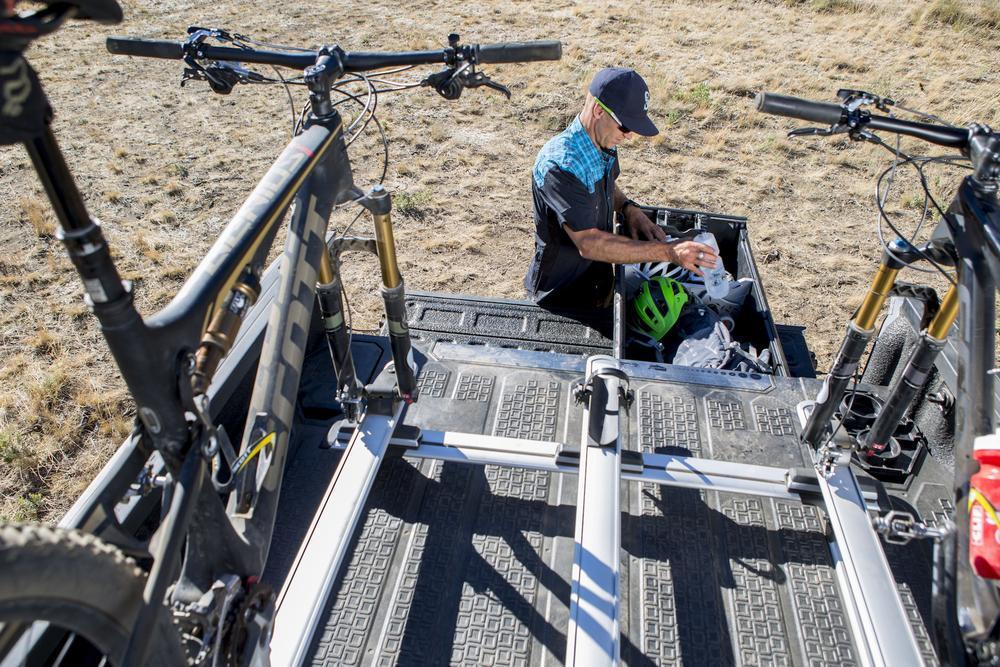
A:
(573, 183)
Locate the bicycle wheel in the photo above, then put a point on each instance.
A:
(58, 586)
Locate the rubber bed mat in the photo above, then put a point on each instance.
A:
(462, 564)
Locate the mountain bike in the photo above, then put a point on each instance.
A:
(967, 240)
(190, 592)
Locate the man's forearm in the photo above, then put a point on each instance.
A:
(623, 250)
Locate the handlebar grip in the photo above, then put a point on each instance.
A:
(794, 107)
(147, 48)
(518, 52)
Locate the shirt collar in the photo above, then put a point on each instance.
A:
(576, 127)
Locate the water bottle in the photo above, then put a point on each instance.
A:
(984, 496)
(715, 279)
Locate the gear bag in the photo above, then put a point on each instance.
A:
(700, 339)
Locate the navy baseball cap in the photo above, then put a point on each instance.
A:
(626, 95)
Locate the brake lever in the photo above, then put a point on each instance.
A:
(853, 100)
(222, 77)
(817, 131)
(477, 79)
(450, 82)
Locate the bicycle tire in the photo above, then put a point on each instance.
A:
(77, 582)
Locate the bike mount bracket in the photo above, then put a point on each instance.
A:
(583, 389)
(899, 527)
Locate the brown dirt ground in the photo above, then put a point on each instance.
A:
(165, 167)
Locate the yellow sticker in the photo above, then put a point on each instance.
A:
(975, 496)
(255, 450)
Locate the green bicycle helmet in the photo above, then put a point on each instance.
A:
(657, 306)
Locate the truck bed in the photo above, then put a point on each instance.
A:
(466, 564)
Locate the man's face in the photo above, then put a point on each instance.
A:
(608, 132)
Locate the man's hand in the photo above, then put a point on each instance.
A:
(692, 256)
(640, 227)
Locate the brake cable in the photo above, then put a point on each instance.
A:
(856, 118)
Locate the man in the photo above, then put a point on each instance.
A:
(575, 196)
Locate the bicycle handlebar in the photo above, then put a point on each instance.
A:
(794, 107)
(517, 52)
(146, 48)
(356, 61)
(833, 114)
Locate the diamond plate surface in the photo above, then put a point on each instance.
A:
(432, 383)
(529, 410)
(776, 421)
(819, 614)
(726, 415)
(459, 564)
(944, 512)
(668, 423)
(911, 567)
(423, 601)
(755, 606)
(474, 387)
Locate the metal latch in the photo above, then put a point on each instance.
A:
(898, 527)
(830, 458)
(582, 389)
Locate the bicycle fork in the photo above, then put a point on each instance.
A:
(914, 375)
(349, 389)
(859, 334)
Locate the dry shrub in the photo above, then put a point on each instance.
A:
(46, 343)
(14, 452)
(828, 6)
(38, 213)
(980, 16)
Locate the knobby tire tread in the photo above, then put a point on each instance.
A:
(78, 582)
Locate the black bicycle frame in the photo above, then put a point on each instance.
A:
(155, 357)
(973, 225)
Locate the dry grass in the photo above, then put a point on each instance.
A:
(982, 16)
(38, 214)
(165, 167)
